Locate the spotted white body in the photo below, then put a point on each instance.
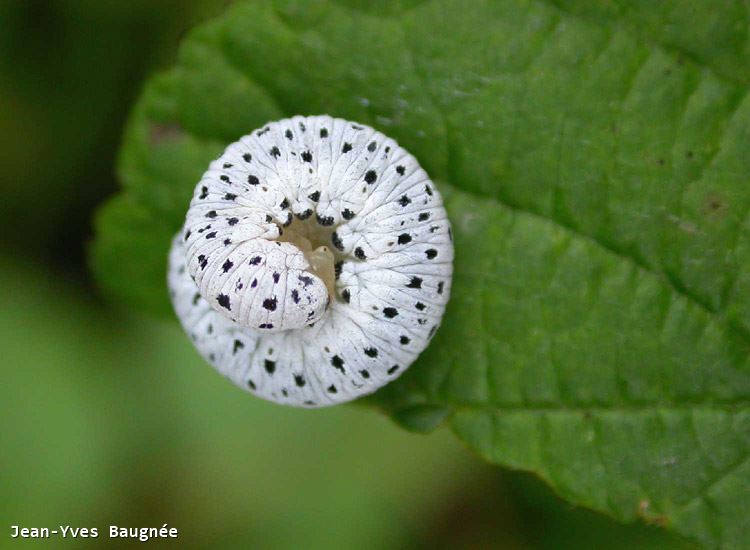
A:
(315, 262)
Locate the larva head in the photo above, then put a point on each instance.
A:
(249, 270)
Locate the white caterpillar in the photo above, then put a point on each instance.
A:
(315, 261)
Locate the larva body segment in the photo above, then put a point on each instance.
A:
(315, 261)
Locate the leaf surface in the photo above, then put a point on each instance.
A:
(594, 158)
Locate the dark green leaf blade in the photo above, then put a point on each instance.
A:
(594, 161)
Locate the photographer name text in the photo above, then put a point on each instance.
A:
(142, 534)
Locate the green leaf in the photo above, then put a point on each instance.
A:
(594, 159)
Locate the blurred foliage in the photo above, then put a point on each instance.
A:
(68, 72)
(110, 418)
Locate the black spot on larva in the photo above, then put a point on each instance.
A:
(404, 238)
(305, 280)
(358, 127)
(288, 134)
(227, 165)
(372, 146)
(253, 180)
(347, 214)
(365, 373)
(431, 253)
(424, 216)
(337, 362)
(201, 230)
(434, 228)
(420, 306)
(332, 389)
(359, 253)
(337, 269)
(276, 277)
(336, 241)
(302, 126)
(238, 345)
(227, 265)
(390, 312)
(371, 176)
(239, 285)
(210, 329)
(247, 157)
(325, 220)
(223, 301)
(202, 261)
(270, 366)
(254, 283)
(450, 234)
(404, 340)
(346, 295)
(432, 331)
(211, 214)
(266, 325)
(251, 384)
(230, 197)
(428, 189)
(415, 282)
(255, 260)
(346, 148)
(211, 235)
(204, 192)
(274, 152)
(315, 197)
(324, 132)
(404, 201)
(224, 178)
(295, 296)
(284, 392)
(307, 156)
(400, 169)
(233, 221)
(371, 352)
(284, 204)
(270, 304)
(288, 222)
(422, 321)
(187, 235)
(393, 369)
(196, 298)
(304, 215)
(310, 402)
(299, 380)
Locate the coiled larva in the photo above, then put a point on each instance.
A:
(315, 261)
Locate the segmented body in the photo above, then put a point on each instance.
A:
(249, 274)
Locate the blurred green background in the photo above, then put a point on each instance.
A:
(112, 419)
